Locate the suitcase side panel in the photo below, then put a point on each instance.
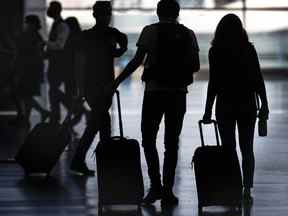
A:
(42, 148)
(218, 176)
(120, 179)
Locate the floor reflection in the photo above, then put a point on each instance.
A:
(68, 195)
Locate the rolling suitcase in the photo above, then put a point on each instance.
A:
(218, 174)
(43, 147)
(120, 180)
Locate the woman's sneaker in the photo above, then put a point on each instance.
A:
(247, 197)
(169, 199)
(153, 195)
(81, 169)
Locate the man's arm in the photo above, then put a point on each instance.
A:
(131, 67)
(122, 41)
(196, 61)
(59, 43)
(79, 62)
(195, 52)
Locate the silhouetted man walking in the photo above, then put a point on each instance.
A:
(98, 50)
(171, 57)
(55, 51)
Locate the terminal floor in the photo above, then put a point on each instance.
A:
(64, 194)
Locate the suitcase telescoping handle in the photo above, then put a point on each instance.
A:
(201, 122)
(119, 113)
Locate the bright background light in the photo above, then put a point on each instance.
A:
(266, 23)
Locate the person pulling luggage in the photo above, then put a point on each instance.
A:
(171, 53)
(98, 48)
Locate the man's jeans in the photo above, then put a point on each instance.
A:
(171, 105)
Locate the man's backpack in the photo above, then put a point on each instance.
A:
(176, 58)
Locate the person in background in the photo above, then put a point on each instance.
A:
(8, 52)
(98, 48)
(70, 49)
(171, 55)
(55, 53)
(29, 68)
(235, 78)
(70, 95)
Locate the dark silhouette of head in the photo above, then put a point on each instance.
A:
(54, 9)
(73, 24)
(168, 9)
(102, 12)
(230, 32)
(33, 22)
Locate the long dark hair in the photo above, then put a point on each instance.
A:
(73, 24)
(230, 32)
(33, 20)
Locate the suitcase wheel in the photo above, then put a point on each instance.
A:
(100, 209)
(200, 210)
(139, 211)
(47, 177)
(239, 208)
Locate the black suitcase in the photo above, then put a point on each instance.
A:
(43, 147)
(120, 180)
(218, 174)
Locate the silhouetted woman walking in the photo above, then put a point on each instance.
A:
(235, 79)
(75, 106)
(30, 68)
(70, 48)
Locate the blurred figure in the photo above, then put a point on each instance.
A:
(70, 50)
(7, 57)
(235, 77)
(55, 52)
(70, 95)
(170, 51)
(98, 48)
(29, 69)
(7, 62)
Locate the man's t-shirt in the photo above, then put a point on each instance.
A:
(58, 36)
(55, 50)
(98, 46)
(148, 41)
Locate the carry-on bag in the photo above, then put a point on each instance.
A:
(43, 146)
(119, 173)
(217, 173)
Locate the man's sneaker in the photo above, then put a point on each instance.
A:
(81, 169)
(44, 115)
(247, 197)
(152, 196)
(169, 199)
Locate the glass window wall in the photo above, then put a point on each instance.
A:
(265, 20)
